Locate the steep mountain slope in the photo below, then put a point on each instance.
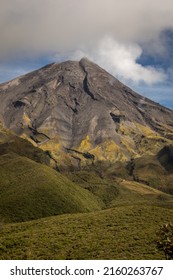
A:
(80, 113)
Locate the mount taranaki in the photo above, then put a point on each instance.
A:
(86, 166)
(80, 114)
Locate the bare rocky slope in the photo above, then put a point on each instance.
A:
(81, 114)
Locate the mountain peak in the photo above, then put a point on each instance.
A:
(85, 58)
(79, 109)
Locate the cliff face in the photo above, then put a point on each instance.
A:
(79, 112)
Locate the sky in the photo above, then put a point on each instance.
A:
(131, 39)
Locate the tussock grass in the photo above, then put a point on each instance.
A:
(125, 232)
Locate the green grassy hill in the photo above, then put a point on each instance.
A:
(124, 232)
(29, 190)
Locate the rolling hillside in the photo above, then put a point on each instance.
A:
(125, 232)
(30, 190)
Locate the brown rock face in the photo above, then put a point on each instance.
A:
(81, 107)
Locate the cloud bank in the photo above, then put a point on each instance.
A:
(110, 32)
(54, 25)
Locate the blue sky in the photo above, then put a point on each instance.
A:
(133, 40)
(161, 92)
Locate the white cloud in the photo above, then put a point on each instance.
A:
(121, 60)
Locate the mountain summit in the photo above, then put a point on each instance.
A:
(78, 113)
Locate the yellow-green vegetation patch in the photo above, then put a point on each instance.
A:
(129, 146)
(127, 128)
(108, 150)
(85, 145)
(26, 120)
(145, 130)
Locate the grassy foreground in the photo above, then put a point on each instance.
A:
(123, 232)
